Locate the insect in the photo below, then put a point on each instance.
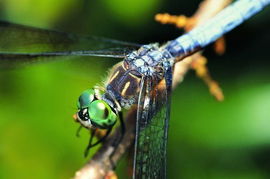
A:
(144, 78)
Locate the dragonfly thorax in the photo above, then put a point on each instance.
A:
(148, 60)
(124, 82)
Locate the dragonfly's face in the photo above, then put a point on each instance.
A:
(93, 112)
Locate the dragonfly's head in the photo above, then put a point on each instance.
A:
(94, 112)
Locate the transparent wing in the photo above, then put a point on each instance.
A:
(22, 43)
(152, 128)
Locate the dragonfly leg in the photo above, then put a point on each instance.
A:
(86, 152)
(78, 131)
(118, 139)
(90, 145)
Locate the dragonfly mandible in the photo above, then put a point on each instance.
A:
(144, 77)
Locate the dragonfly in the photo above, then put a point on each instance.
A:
(143, 78)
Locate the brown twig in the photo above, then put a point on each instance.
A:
(100, 166)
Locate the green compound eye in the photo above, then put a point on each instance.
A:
(101, 114)
(86, 98)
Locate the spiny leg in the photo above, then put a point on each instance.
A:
(90, 145)
(86, 152)
(78, 131)
(118, 139)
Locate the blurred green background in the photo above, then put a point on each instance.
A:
(207, 139)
